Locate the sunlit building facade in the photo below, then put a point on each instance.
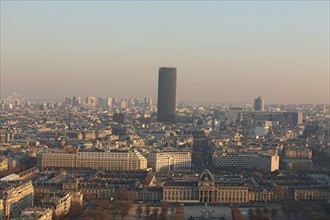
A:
(205, 190)
(170, 161)
(103, 160)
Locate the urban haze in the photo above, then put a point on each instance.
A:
(201, 110)
(225, 51)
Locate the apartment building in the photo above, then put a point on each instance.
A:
(284, 117)
(16, 196)
(312, 193)
(36, 214)
(2, 208)
(246, 161)
(170, 161)
(3, 164)
(298, 153)
(101, 160)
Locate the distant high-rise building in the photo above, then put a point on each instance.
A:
(90, 101)
(123, 103)
(138, 102)
(147, 103)
(259, 104)
(166, 94)
(68, 100)
(115, 102)
(76, 100)
(130, 103)
(108, 102)
(100, 102)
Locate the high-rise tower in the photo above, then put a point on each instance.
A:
(259, 104)
(166, 94)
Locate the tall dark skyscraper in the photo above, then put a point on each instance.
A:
(166, 94)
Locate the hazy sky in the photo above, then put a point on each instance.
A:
(223, 51)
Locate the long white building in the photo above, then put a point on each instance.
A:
(103, 160)
(247, 161)
(283, 117)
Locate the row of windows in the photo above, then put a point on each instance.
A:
(92, 159)
(232, 199)
(225, 193)
(232, 194)
(104, 155)
(177, 192)
(96, 191)
(91, 155)
(222, 199)
(54, 161)
(218, 161)
(184, 193)
(179, 198)
(306, 193)
(175, 165)
(172, 161)
(95, 165)
(58, 156)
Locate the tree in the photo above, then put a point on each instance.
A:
(163, 212)
(139, 210)
(121, 194)
(124, 207)
(147, 211)
(265, 210)
(179, 213)
(123, 212)
(103, 210)
(125, 194)
(274, 213)
(154, 214)
(252, 214)
(97, 214)
(114, 212)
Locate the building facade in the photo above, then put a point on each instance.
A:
(283, 117)
(2, 209)
(16, 196)
(312, 193)
(59, 204)
(205, 190)
(102, 160)
(259, 104)
(3, 164)
(170, 161)
(298, 153)
(90, 101)
(36, 214)
(247, 161)
(150, 194)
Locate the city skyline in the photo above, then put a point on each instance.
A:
(225, 52)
